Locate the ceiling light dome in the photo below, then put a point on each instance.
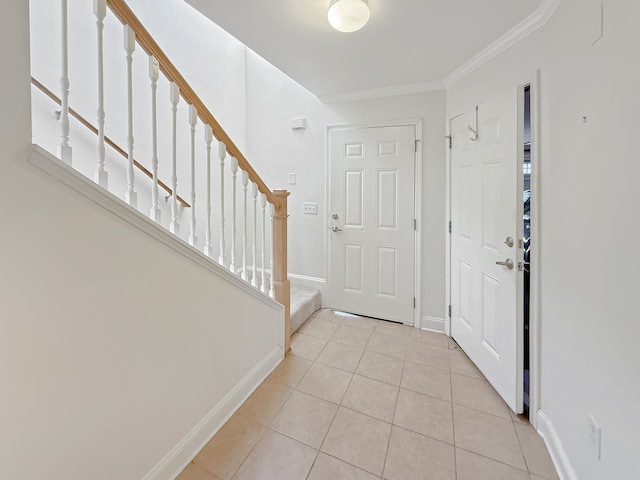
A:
(348, 15)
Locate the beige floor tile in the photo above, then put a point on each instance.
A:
(305, 418)
(535, 452)
(453, 345)
(380, 367)
(263, 405)
(388, 345)
(429, 355)
(364, 323)
(432, 338)
(479, 395)
(487, 435)
(276, 457)
(415, 457)
(430, 381)
(393, 328)
(425, 415)
(519, 418)
(536, 477)
(358, 439)
(461, 365)
(330, 468)
(226, 451)
(328, 383)
(306, 346)
(475, 467)
(320, 326)
(340, 356)
(356, 337)
(329, 315)
(195, 472)
(371, 397)
(290, 371)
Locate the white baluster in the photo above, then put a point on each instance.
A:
(100, 10)
(131, 197)
(254, 193)
(263, 204)
(208, 138)
(272, 292)
(154, 73)
(174, 226)
(64, 149)
(193, 120)
(245, 184)
(222, 153)
(234, 175)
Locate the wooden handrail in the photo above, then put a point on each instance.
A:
(107, 140)
(151, 47)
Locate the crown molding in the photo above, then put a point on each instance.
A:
(382, 92)
(529, 25)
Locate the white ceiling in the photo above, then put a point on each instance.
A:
(413, 44)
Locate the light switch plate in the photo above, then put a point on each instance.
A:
(309, 208)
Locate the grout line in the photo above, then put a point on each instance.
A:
(395, 409)
(496, 460)
(453, 422)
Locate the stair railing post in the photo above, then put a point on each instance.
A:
(64, 149)
(193, 121)
(100, 11)
(174, 96)
(208, 138)
(222, 153)
(154, 73)
(279, 274)
(131, 197)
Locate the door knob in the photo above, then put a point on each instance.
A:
(335, 228)
(507, 263)
(334, 216)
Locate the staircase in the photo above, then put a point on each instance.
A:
(304, 303)
(163, 292)
(175, 150)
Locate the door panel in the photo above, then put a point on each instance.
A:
(371, 264)
(485, 195)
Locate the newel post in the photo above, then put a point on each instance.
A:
(279, 274)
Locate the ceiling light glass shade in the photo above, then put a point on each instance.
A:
(348, 15)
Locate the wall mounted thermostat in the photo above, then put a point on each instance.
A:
(298, 123)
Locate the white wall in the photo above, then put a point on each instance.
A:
(113, 346)
(273, 99)
(589, 223)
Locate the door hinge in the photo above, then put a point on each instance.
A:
(415, 224)
(449, 311)
(415, 146)
(414, 302)
(449, 226)
(450, 138)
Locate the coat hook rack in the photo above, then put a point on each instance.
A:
(476, 136)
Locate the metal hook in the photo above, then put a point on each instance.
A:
(474, 131)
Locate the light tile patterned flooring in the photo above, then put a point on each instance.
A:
(364, 399)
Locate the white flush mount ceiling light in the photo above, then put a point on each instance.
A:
(348, 15)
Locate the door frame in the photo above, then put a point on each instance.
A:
(416, 123)
(533, 81)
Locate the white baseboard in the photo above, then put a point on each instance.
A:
(180, 456)
(310, 282)
(555, 447)
(433, 324)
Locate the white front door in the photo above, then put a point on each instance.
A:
(486, 318)
(371, 214)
